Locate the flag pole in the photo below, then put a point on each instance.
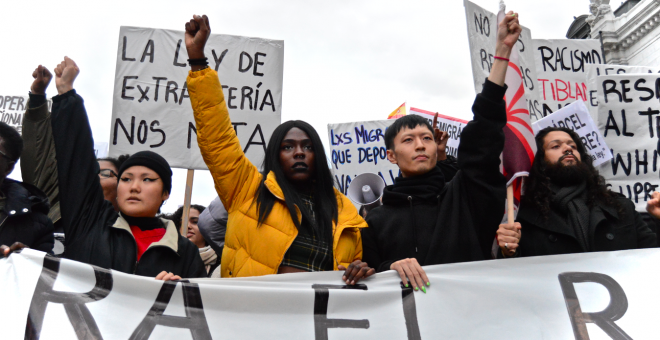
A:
(186, 202)
(509, 204)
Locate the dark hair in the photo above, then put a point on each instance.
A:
(12, 141)
(178, 214)
(537, 190)
(325, 200)
(407, 121)
(117, 162)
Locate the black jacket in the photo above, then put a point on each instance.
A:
(459, 224)
(95, 233)
(609, 230)
(26, 211)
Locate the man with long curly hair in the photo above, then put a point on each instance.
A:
(567, 208)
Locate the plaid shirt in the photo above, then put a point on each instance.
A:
(308, 252)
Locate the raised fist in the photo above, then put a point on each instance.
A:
(197, 33)
(65, 74)
(42, 78)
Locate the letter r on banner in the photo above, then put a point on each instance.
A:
(603, 319)
(321, 321)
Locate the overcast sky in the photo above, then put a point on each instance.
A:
(343, 60)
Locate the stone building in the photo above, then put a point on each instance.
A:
(630, 34)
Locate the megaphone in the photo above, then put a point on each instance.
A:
(366, 189)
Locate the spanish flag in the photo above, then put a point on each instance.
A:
(399, 112)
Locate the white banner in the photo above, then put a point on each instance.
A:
(629, 117)
(12, 109)
(453, 126)
(575, 116)
(151, 106)
(101, 149)
(560, 66)
(482, 36)
(608, 295)
(593, 71)
(359, 147)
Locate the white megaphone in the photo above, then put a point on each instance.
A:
(366, 189)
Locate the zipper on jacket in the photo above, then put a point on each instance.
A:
(412, 216)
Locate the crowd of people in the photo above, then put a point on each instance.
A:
(288, 217)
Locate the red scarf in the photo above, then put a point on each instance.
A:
(144, 238)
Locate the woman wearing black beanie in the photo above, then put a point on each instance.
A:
(132, 240)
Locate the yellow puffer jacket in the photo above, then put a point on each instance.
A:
(252, 251)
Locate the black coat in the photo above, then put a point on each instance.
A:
(26, 208)
(95, 233)
(459, 224)
(609, 230)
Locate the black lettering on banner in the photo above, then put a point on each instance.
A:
(142, 137)
(240, 62)
(143, 94)
(257, 63)
(231, 97)
(151, 127)
(124, 87)
(624, 90)
(191, 129)
(546, 58)
(484, 58)
(641, 88)
(410, 312)
(74, 303)
(157, 79)
(270, 102)
(482, 24)
(256, 96)
(618, 160)
(321, 321)
(130, 137)
(236, 125)
(171, 89)
(123, 52)
(176, 55)
(183, 92)
(19, 105)
(218, 60)
(604, 319)
(195, 319)
(250, 141)
(148, 51)
(611, 89)
(625, 125)
(247, 95)
(611, 125)
(650, 113)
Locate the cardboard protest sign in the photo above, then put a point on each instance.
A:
(12, 109)
(151, 106)
(453, 126)
(629, 119)
(359, 147)
(53, 298)
(482, 36)
(595, 70)
(575, 116)
(101, 149)
(560, 66)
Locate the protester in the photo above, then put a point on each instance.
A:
(206, 252)
(567, 207)
(427, 220)
(108, 169)
(133, 240)
(288, 218)
(212, 224)
(23, 207)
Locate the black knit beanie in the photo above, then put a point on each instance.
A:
(152, 161)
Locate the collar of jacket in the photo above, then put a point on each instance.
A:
(274, 188)
(23, 198)
(170, 239)
(552, 223)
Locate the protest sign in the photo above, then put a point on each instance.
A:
(151, 106)
(595, 70)
(12, 110)
(578, 296)
(359, 147)
(629, 119)
(453, 126)
(101, 149)
(560, 66)
(575, 116)
(482, 36)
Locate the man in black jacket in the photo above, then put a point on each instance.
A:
(23, 208)
(567, 207)
(426, 220)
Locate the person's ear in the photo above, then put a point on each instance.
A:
(391, 156)
(165, 196)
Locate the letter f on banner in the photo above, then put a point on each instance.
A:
(603, 319)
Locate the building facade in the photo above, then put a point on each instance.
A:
(630, 34)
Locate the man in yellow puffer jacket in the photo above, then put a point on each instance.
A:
(259, 243)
